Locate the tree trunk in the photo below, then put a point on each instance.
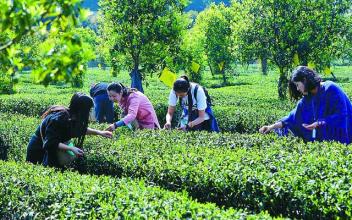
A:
(224, 76)
(282, 84)
(136, 79)
(264, 62)
(211, 69)
(114, 66)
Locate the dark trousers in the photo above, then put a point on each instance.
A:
(204, 126)
(35, 151)
(104, 109)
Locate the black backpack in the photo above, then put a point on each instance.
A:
(209, 101)
(190, 100)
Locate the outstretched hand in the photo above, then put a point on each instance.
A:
(167, 126)
(106, 134)
(111, 128)
(265, 129)
(184, 128)
(78, 152)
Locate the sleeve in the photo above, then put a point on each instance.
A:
(52, 136)
(133, 107)
(289, 120)
(91, 92)
(336, 99)
(201, 99)
(172, 98)
(119, 124)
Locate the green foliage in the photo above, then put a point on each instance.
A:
(231, 119)
(30, 46)
(283, 176)
(256, 172)
(43, 19)
(216, 22)
(146, 32)
(192, 50)
(64, 49)
(278, 30)
(33, 192)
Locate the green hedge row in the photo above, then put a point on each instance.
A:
(234, 118)
(281, 175)
(35, 192)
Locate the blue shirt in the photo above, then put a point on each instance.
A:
(99, 89)
(331, 106)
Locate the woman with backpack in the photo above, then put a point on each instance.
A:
(196, 107)
(58, 126)
(137, 110)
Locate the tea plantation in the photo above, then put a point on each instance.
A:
(235, 174)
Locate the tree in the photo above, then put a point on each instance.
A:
(57, 50)
(191, 57)
(146, 32)
(20, 18)
(283, 30)
(219, 46)
(249, 45)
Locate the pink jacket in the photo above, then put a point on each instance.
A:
(138, 107)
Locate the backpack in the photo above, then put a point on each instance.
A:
(209, 101)
(213, 123)
(190, 100)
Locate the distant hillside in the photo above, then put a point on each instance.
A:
(195, 5)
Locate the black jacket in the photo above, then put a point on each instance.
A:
(55, 129)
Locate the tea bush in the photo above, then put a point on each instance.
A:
(284, 176)
(35, 192)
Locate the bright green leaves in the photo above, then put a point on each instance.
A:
(144, 32)
(277, 30)
(42, 21)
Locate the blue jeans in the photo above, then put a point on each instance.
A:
(104, 109)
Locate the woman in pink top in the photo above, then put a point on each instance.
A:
(135, 106)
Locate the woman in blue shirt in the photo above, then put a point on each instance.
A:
(323, 112)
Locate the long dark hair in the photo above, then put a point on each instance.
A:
(120, 88)
(78, 115)
(308, 77)
(182, 84)
(79, 109)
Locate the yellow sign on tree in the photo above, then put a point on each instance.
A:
(221, 65)
(195, 67)
(311, 65)
(168, 77)
(327, 70)
(296, 59)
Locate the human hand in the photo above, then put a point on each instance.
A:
(184, 128)
(167, 125)
(190, 124)
(111, 128)
(106, 134)
(265, 129)
(310, 127)
(78, 152)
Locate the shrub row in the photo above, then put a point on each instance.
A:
(281, 175)
(35, 192)
(238, 117)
